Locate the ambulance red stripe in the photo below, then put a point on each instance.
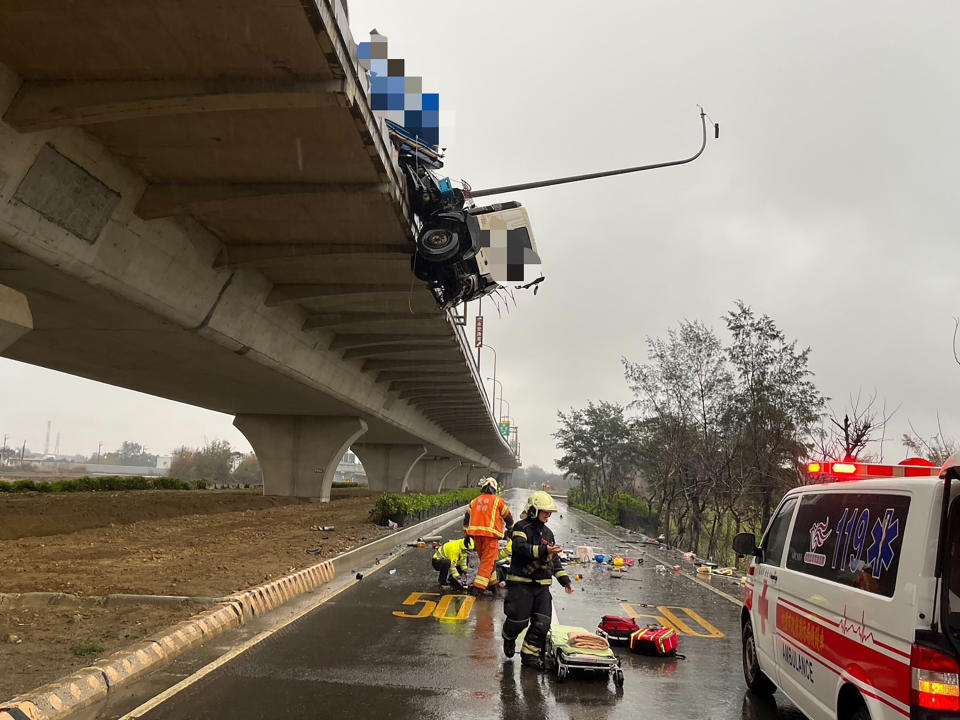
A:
(858, 682)
(885, 674)
(810, 612)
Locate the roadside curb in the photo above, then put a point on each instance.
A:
(59, 698)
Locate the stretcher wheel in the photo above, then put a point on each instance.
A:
(562, 673)
(618, 678)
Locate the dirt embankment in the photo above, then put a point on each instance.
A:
(156, 542)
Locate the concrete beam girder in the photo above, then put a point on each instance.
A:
(346, 318)
(420, 394)
(411, 363)
(293, 293)
(348, 341)
(261, 254)
(438, 387)
(376, 350)
(421, 375)
(388, 466)
(16, 320)
(49, 104)
(160, 201)
(427, 475)
(299, 454)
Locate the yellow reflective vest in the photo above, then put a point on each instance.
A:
(456, 553)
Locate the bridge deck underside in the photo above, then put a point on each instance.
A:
(249, 119)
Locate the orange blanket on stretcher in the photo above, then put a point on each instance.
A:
(587, 641)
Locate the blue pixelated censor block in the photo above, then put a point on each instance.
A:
(393, 94)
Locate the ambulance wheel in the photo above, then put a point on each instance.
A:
(561, 673)
(861, 713)
(758, 683)
(618, 678)
(439, 240)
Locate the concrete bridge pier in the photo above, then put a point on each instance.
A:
(299, 454)
(16, 320)
(428, 474)
(455, 479)
(388, 466)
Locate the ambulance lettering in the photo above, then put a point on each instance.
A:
(797, 660)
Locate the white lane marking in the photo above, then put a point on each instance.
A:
(721, 593)
(223, 659)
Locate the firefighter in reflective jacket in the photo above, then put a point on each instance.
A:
(534, 563)
(485, 521)
(450, 560)
(503, 563)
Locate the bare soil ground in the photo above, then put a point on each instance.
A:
(156, 542)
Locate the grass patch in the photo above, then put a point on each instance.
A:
(102, 484)
(90, 647)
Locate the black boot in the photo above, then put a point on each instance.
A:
(509, 647)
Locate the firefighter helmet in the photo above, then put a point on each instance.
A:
(539, 501)
(468, 543)
(489, 482)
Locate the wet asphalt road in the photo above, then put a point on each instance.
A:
(381, 650)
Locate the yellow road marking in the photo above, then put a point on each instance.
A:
(223, 659)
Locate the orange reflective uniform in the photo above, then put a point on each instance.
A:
(487, 515)
(487, 512)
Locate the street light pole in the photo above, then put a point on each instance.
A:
(492, 402)
(490, 348)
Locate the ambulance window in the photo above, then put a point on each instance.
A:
(776, 536)
(850, 538)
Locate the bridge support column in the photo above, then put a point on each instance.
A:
(505, 479)
(427, 475)
(455, 479)
(388, 466)
(299, 454)
(16, 320)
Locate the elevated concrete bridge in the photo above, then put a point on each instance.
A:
(197, 203)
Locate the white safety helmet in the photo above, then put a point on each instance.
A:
(490, 482)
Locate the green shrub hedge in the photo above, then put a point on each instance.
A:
(622, 509)
(104, 483)
(396, 507)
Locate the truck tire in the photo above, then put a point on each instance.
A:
(758, 683)
(439, 240)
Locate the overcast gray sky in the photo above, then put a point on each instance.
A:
(828, 203)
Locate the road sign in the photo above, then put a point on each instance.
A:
(505, 428)
(478, 335)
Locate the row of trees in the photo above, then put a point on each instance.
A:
(716, 432)
(216, 463)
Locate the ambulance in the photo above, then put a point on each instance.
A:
(852, 599)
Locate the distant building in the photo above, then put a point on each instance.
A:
(349, 469)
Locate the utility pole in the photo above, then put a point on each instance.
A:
(99, 445)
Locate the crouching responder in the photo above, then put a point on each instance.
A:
(534, 563)
(485, 521)
(503, 563)
(450, 560)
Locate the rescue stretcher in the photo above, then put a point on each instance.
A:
(561, 657)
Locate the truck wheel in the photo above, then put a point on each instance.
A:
(439, 240)
(758, 683)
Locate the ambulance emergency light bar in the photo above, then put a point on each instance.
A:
(911, 467)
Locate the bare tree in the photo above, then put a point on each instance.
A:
(847, 439)
(937, 449)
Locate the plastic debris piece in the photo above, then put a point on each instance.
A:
(661, 568)
(393, 571)
(676, 568)
(704, 570)
(359, 576)
(392, 525)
